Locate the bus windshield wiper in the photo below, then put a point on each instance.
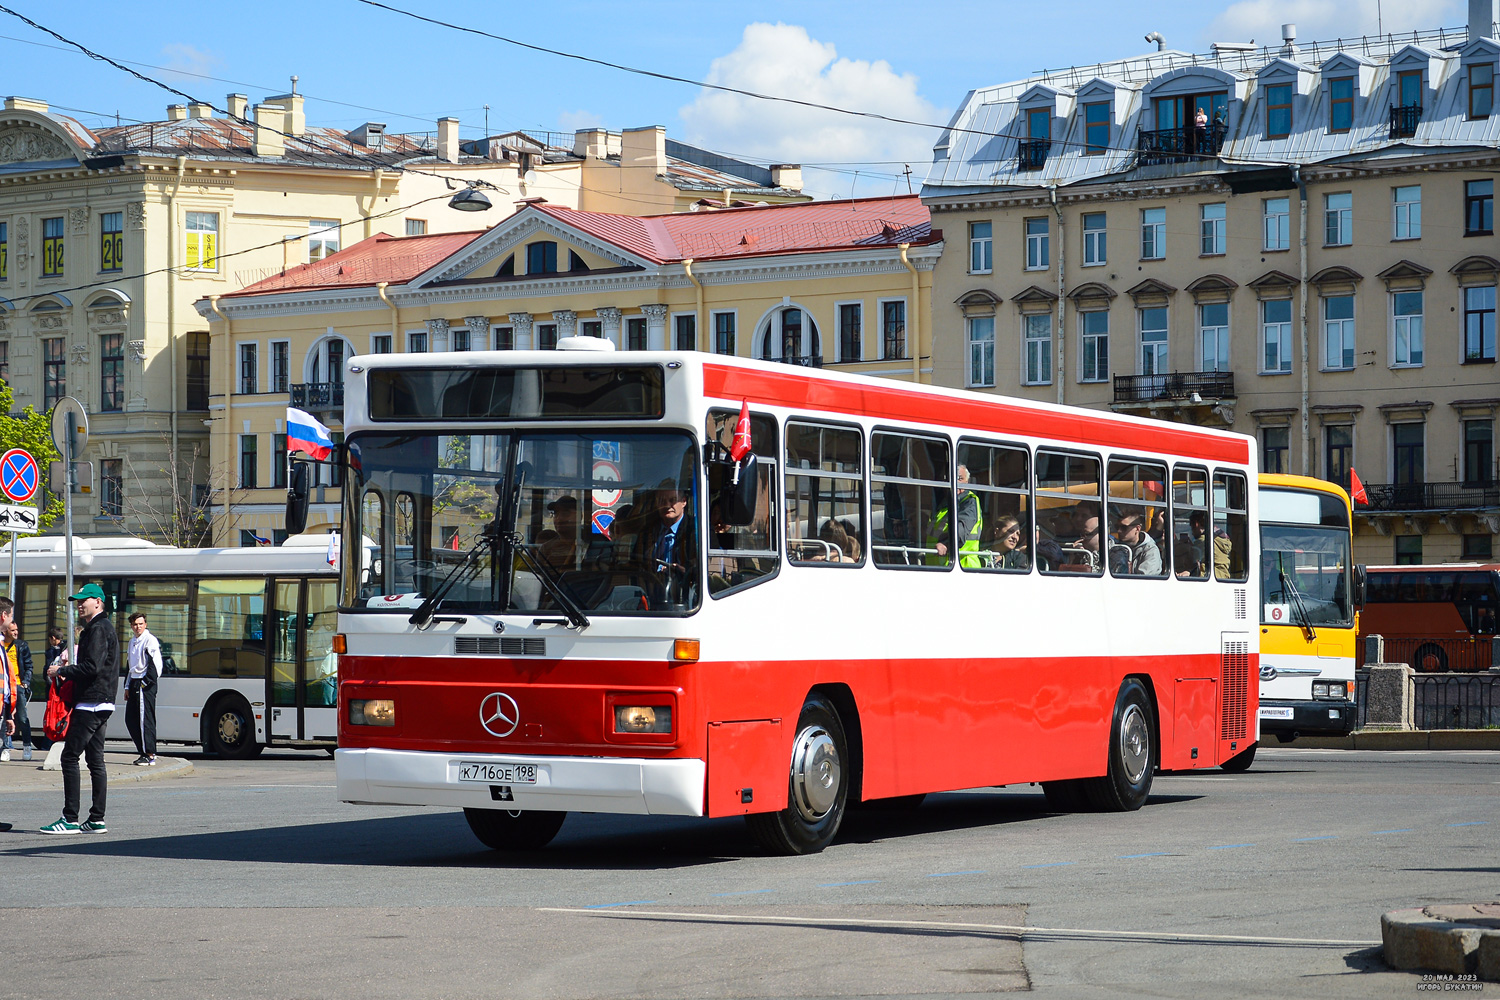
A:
(1289, 586)
(544, 574)
(422, 617)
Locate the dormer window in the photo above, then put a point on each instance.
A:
(1033, 151)
(1096, 127)
(1278, 111)
(1341, 104)
(1481, 90)
(1409, 89)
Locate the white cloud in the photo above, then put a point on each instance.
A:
(782, 60)
(572, 121)
(183, 60)
(1325, 20)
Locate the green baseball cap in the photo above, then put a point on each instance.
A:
(89, 590)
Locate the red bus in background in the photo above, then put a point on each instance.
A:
(1435, 618)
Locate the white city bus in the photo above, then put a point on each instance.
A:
(245, 634)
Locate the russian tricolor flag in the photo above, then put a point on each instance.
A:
(304, 433)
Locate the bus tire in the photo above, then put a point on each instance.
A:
(1066, 796)
(1127, 783)
(1433, 652)
(229, 729)
(1240, 761)
(817, 786)
(514, 829)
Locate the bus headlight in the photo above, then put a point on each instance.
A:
(643, 718)
(1330, 690)
(372, 712)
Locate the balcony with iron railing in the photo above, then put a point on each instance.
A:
(1032, 153)
(1404, 120)
(1193, 387)
(1173, 145)
(318, 397)
(1407, 497)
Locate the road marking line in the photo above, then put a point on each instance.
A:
(839, 885)
(1379, 832)
(1153, 854)
(1019, 931)
(1227, 847)
(946, 874)
(1477, 822)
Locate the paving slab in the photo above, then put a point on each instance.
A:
(1460, 940)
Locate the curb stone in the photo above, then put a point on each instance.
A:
(1456, 939)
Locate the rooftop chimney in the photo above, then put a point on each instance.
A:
(1481, 19)
(294, 120)
(238, 105)
(25, 104)
(268, 119)
(200, 111)
(644, 147)
(448, 140)
(591, 143)
(1289, 36)
(787, 175)
(176, 112)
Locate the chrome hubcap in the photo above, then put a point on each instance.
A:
(231, 728)
(817, 773)
(1135, 744)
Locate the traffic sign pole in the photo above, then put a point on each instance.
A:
(19, 480)
(68, 456)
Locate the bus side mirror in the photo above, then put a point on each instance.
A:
(1359, 586)
(298, 498)
(733, 503)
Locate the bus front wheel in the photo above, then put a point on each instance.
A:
(514, 830)
(818, 786)
(231, 729)
(1431, 658)
(1125, 787)
(1240, 761)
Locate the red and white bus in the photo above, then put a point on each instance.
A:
(899, 590)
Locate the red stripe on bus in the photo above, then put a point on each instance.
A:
(801, 391)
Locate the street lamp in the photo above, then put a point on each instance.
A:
(470, 199)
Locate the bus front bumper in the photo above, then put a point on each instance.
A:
(1284, 719)
(562, 784)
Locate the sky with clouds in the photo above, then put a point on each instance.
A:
(359, 63)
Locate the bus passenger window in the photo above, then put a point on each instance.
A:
(1190, 523)
(1000, 480)
(740, 555)
(913, 519)
(1069, 533)
(1138, 543)
(229, 629)
(824, 495)
(1231, 528)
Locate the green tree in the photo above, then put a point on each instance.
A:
(33, 432)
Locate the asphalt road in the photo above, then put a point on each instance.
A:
(249, 879)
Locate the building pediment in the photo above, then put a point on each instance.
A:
(1093, 291)
(1273, 284)
(1151, 288)
(483, 257)
(1405, 272)
(22, 142)
(978, 298)
(1211, 284)
(1033, 294)
(1477, 266)
(1336, 275)
(1041, 95)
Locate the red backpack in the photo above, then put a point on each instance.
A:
(59, 709)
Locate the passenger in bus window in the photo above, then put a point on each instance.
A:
(1223, 550)
(1010, 545)
(838, 545)
(1143, 558)
(967, 525)
(559, 544)
(668, 546)
(1191, 557)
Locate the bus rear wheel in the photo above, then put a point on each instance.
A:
(231, 729)
(1128, 782)
(818, 786)
(1431, 658)
(514, 830)
(1240, 761)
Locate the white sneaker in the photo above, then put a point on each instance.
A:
(4, 755)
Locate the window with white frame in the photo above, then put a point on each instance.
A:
(1212, 226)
(981, 248)
(684, 331)
(1153, 333)
(893, 329)
(322, 238)
(1036, 333)
(380, 343)
(1338, 333)
(1407, 212)
(1093, 340)
(416, 342)
(1276, 224)
(281, 365)
(1038, 244)
(851, 324)
(1153, 233)
(724, 323)
(1095, 236)
(1274, 446)
(1479, 324)
(1276, 336)
(201, 241)
(249, 366)
(416, 227)
(1406, 329)
(460, 338)
(505, 338)
(981, 351)
(1338, 219)
(1213, 336)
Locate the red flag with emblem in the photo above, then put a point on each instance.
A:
(1357, 488)
(740, 446)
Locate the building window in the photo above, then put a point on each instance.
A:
(1409, 89)
(505, 338)
(1479, 323)
(893, 330)
(111, 487)
(4, 361)
(1479, 453)
(1407, 451)
(1338, 333)
(1038, 243)
(197, 370)
(111, 372)
(278, 461)
(52, 247)
(546, 335)
(685, 329)
(112, 241)
(1037, 334)
(202, 246)
(1408, 550)
(1341, 104)
(54, 371)
(247, 462)
(1477, 547)
(1479, 208)
(1153, 233)
(1096, 127)
(1095, 247)
(851, 322)
(4, 250)
(281, 364)
(1153, 332)
(1094, 341)
(1406, 329)
(1274, 447)
(1212, 223)
(541, 258)
(322, 238)
(724, 333)
(981, 248)
(1278, 111)
(1338, 453)
(592, 328)
(1276, 336)
(249, 367)
(1338, 219)
(416, 227)
(981, 351)
(635, 333)
(1277, 224)
(380, 343)
(1481, 90)
(1213, 336)
(416, 342)
(460, 337)
(1407, 213)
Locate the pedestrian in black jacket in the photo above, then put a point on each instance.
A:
(94, 677)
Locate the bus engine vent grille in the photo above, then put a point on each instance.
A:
(498, 646)
(1234, 666)
(1239, 603)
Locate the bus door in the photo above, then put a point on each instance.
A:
(302, 684)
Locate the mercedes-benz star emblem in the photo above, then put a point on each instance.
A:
(499, 714)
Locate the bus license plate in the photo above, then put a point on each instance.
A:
(1276, 713)
(504, 774)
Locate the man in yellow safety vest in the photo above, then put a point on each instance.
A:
(968, 524)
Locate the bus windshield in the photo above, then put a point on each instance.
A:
(1304, 575)
(605, 521)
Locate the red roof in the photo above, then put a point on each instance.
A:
(395, 259)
